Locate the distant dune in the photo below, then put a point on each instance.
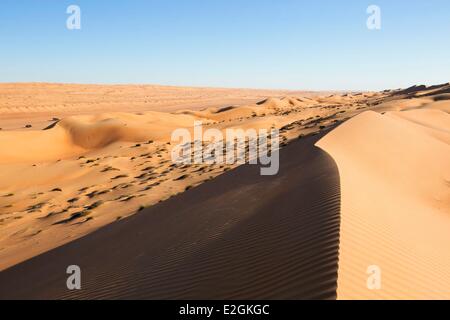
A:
(37, 103)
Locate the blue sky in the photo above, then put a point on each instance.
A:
(291, 44)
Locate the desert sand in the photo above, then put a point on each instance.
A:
(230, 238)
(37, 104)
(84, 171)
(395, 175)
(100, 172)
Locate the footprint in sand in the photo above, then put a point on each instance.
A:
(183, 177)
(121, 176)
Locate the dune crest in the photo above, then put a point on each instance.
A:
(395, 178)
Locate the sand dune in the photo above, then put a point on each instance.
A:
(395, 176)
(37, 104)
(422, 90)
(211, 242)
(100, 173)
(78, 134)
(86, 171)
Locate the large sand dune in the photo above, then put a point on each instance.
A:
(99, 184)
(395, 175)
(212, 242)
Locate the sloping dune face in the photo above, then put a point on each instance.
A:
(239, 236)
(78, 134)
(395, 214)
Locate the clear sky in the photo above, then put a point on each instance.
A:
(292, 44)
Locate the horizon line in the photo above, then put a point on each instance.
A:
(199, 86)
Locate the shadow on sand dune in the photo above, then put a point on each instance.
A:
(239, 236)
